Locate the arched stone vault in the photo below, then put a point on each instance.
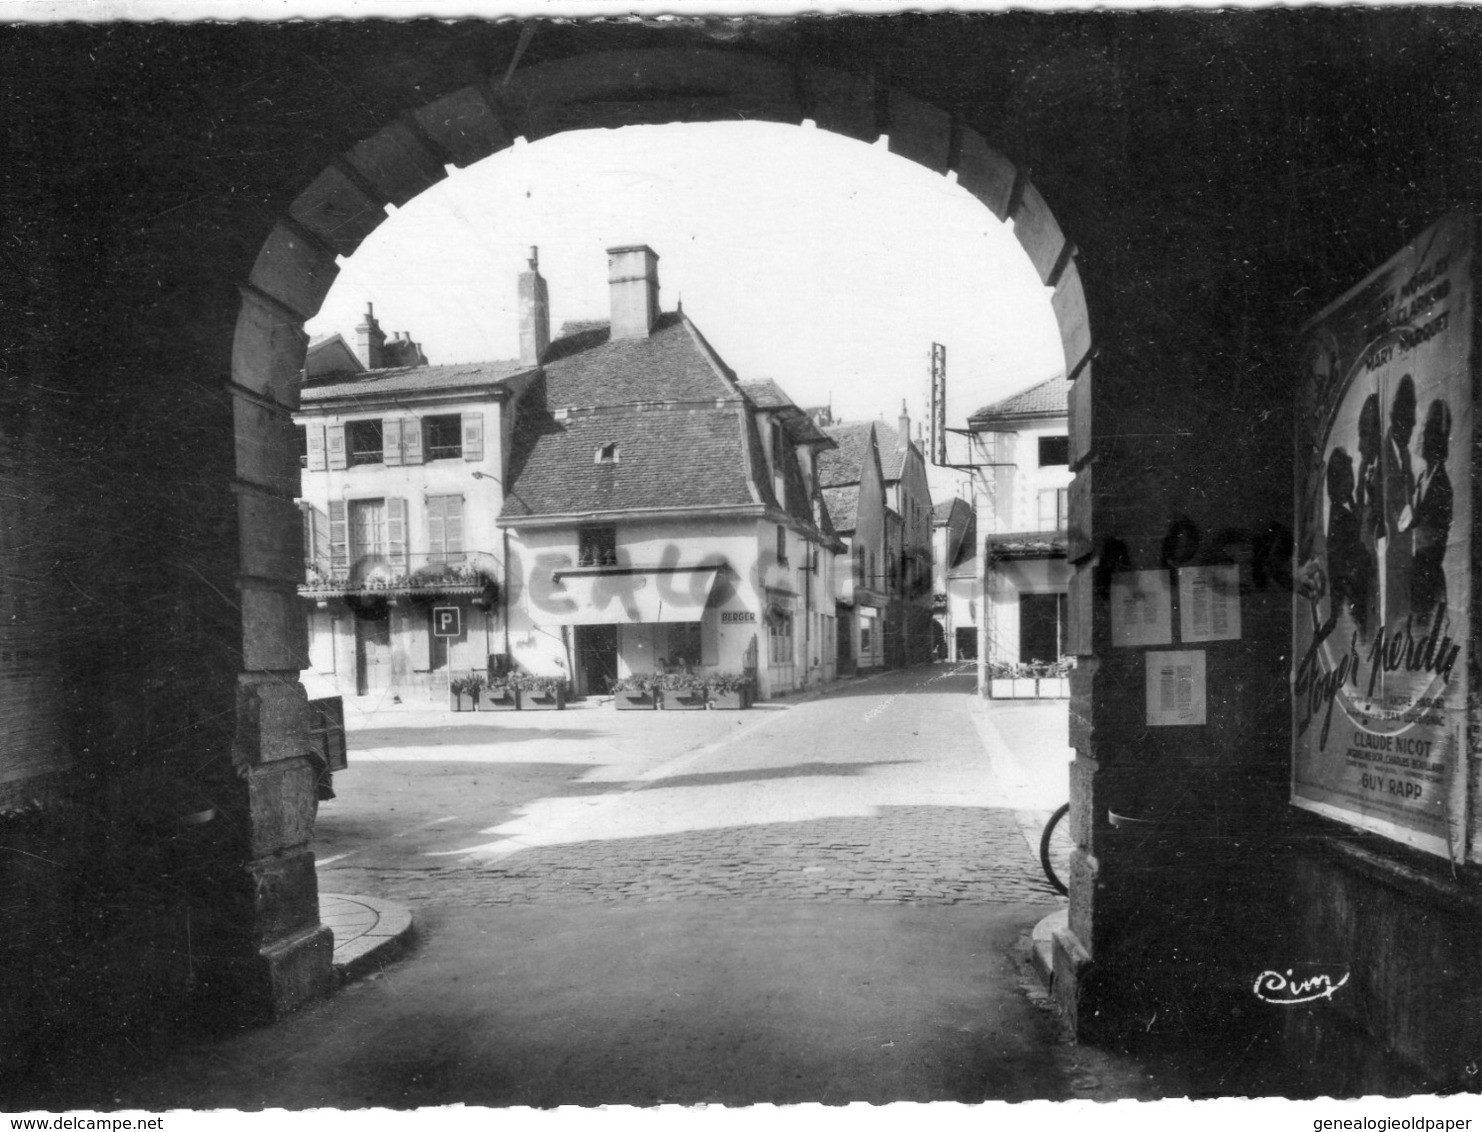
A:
(346, 201)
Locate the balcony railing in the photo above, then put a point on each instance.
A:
(463, 572)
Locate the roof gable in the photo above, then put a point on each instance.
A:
(590, 368)
(1047, 398)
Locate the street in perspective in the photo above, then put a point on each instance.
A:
(827, 898)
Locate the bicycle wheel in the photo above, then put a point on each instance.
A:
(1044, 849)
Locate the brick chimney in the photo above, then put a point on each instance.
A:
(903, 437)
(535, 313)
(369, 340)
(633, 282)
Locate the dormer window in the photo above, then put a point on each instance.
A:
(607, 453)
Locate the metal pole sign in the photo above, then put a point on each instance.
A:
(447, 621)
(938, 404)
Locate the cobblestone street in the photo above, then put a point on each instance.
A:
(881, 791)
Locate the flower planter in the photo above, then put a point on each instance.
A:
(499, 699)
(739, 700)
(684, 699)
(634, 701)
(460, 703)
(1055, 687)
(543, 701)
(1002, 689)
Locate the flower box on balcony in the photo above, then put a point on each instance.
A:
(500, 697)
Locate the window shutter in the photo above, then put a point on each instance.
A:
(390, 442)
(307, 510)
(339, 550)
(316, 447)
(454, 519)
(436, 526)
(473, 436)
(337, 456)
(396, 532)
(411, 441)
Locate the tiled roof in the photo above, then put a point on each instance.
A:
(766, 394)
(409, 379)
(1048, 398)
(843, 464)
(666, 458)
(843, 506)
(589, 368)
(892, 458)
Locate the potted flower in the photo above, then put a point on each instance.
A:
(501, 693)
(729, 690)
(634, 693)
(463, 692)
(682, 691)
(540, 693)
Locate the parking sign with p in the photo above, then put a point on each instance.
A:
(447, 621)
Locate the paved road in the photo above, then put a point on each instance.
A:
(902, 789)
(827, 899)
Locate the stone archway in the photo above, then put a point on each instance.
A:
(346, 201)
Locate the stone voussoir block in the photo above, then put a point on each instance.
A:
(294, 270)
(1080, 539)
(268, 349)
(267, 448)
(281, 806)
(465, 125)
(272, 720)
(1069, 304)
(274, 637)
(1080, 638)
(919, 131)
(842, 103)
(1038, 232)
(397, 163)
(1082, 444)
(1085, 874)
(337, 210)
(646, 86)
(270, 536)
(285, 895)
(1084, 798)
(985, 173)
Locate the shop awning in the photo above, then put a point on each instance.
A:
(624, 597)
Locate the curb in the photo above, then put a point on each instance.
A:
(368, 932)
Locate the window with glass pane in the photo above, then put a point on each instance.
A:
(364, 440)
(596, 546)
(442, 436)
(1053, 509)
(1054, 451)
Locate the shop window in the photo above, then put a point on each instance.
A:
(1054, 451)
(1054, 506)
(445, 528)
(596, 546)
(682, 645)
(442, 436)
(364, 440)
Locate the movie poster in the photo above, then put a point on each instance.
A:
(1383, 526)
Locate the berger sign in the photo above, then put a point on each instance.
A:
(1384, 502)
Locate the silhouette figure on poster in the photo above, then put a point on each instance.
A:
(1350, 565)
(1431, 516)
(1369, 501)
(1399, 498)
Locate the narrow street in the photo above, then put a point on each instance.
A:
(827, 899)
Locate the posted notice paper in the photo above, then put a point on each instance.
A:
(1175, 688)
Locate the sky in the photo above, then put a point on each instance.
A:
(823, 263)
